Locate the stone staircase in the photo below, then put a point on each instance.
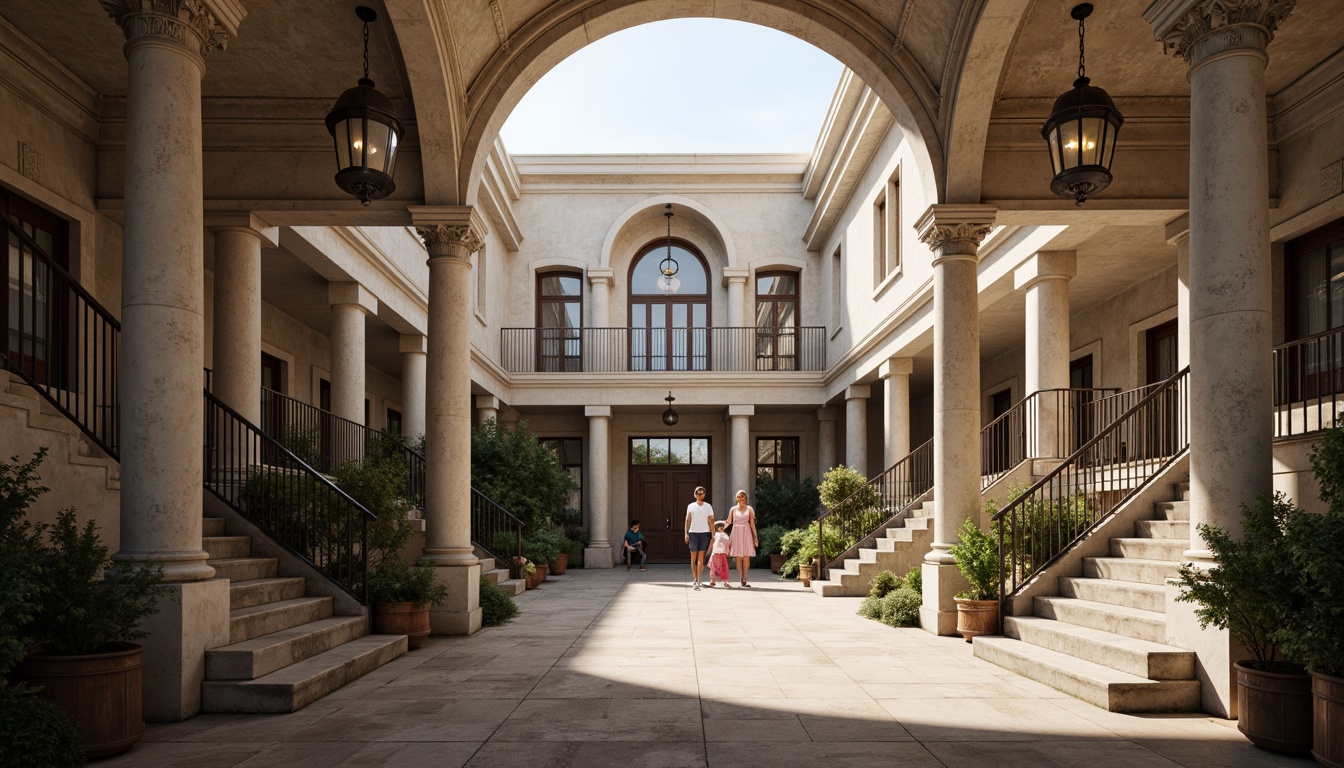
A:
(491, 572)
(899, 548)
(1103, 639)
(286, 649)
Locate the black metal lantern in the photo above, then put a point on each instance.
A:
(670, 416)
(669, 283)
(366, 131)
(1081, 131)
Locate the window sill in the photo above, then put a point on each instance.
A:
(886, 283)
(837, 331)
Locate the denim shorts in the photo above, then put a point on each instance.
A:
(699, 541)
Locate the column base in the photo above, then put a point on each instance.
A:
(597, 557)
(1215, 652)
(191, 620)
(938, 614)
(178, 567)
(460, 614)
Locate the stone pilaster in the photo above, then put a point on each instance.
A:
(451, 234)
(1045, 278)
(414, 351)
(856, 427)
(350, 305)
(953, 233)
(895, 374)
(598, 553)
(739, 448)
(600, 280)
(735, 279)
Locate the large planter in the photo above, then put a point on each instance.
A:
(402, 619)
(543, 570)
(1274, 709)
(777, 562)
(559, 564)
(101, 692)
(1328, 715)
(805, 574)
(977, 617)
(533, 579)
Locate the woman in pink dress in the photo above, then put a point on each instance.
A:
(743, 519)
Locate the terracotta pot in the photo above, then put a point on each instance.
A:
(1328, 710)
(977, 617)
(101, 692)
(543, 570)
(532, 579)
(805, 574)
(402, 619)
(560, 563)
(777, 562)
(1274, 709)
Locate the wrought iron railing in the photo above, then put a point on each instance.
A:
(1308, 384)
(286, 497)
(326, 440)
(496, 530)
(61, 341)
(1043, 522)
(1049, 423)
(610, 350)
(842, 529)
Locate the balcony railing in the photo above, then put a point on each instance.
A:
(612, 350)
(1308, 384)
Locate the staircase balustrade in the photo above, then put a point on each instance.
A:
(496, 530)
(1308, 384)
(61, 341)
(1042, 523)
(844, 527)
(611, 350)
(286, 497)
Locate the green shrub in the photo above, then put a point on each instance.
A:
(36, 732)
(543, 544)
(883, 583)
(305, 443)
(21, 563)
(900, 608)
(841, 483)
(509, 465)
(978, 560)
(800, 546)
(871, 608)
(769, 544)
(397, 582)
(497, 606)
(1040, 529)
(1316, 638)
(378, 483)
(786, 503)
(915, 579)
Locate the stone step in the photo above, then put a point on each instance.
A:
(1120, 619)
(263, 655)
(514, 587)
(1150, 549)
(828, 588)
(904, 537)
(226, 547)
(494, 575)
(1155, 661)
(212, 526)
(1164, 529)
(1096, 684)
(1146, 597)
(1173, 510)
(298, 685)
(245, 594)
(1130, 569)
(247, 623)
(245, 568)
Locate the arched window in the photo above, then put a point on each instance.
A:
(669, 331)
(777, 321)
(559, 321)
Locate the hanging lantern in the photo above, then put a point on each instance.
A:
(366, 131)
(670, 416)
(1081, 131)
(669, 283)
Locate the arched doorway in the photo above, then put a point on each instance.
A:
(669, 330)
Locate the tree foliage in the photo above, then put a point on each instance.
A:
(511, 467)
(790, 502)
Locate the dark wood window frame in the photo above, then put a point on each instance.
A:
(570, 340)
(772, 336)
(56, 342)
(1294, 250)
(774, 469)
(697, 343)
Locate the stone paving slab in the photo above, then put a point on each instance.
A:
(607, 668)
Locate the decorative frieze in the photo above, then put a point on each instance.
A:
(192, 24)
(1209, 27)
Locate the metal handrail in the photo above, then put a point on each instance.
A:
(490, 524)
(1051, 516)
(660, 350)
(1308, 384)
(878, 502)
(74, 363)
(299, 507)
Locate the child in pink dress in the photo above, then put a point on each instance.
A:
(718, 559)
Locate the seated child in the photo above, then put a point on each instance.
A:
(718, 558)
(634, 545)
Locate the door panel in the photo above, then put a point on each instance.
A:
(658, 499)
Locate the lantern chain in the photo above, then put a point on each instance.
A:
(366, 50)
(1082, 62)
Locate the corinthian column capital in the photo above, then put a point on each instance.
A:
(200, 26)
(1198, 29)
(955, 231)
(455, 231)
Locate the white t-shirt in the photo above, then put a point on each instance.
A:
(721, 541)
(700, 514)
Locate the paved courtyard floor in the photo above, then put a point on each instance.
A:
(607, 668)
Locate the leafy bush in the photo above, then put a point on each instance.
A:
(497, 606)
(841, 483)
(378, 483)
(543, 544)
(21, 584)
(769, 544)
(1316, 638)
(503, 543)
(915, 579)
(883, 583)
(900, 608)
(787, 503)
(854, 507)
(397, 582)
(1041, 528)
(36, 731)
(513, 468)
(800, 546)
(978, 560)
(305, 443)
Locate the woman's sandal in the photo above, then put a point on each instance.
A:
(745, 584)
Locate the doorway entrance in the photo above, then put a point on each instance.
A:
(664, 473)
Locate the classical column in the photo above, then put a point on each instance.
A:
(1045, 276)
(826, 418)
(739, 448)
(350, 303)
(451, 234)
(163, 338)
(953, 233)
(856, 427)
(1178, 234)
(1231, 379)
(413, 358)
(600, 280)
(487, 408)
(597, 488)
(741, 345)
(895, 374)
(236, 342)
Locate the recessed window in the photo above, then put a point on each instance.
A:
(886, 230)
(569, 452)
(777, 321)
(559, 321)
(777, 457)
(669, 331)
(669, 450)
(1315, 282)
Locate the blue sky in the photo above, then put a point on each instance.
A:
(688, 85)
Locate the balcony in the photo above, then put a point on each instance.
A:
(620, 350)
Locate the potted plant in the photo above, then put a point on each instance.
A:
(541, 546)
(530, 574)
(1252, 593)
(86, 624)
(516, 564)
(401, 596)
(978, 561)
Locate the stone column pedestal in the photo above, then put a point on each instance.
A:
(895, 375)
(1045, 277)
(856, 427)
(414, 352)
(598, 553)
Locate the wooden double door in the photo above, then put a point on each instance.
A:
(658, 499)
